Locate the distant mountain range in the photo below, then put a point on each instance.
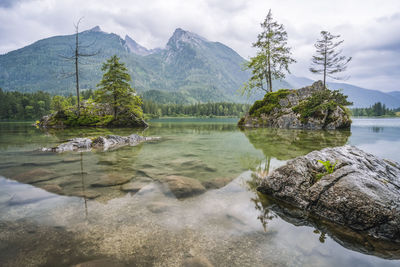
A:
(360, 97)
(189, 69)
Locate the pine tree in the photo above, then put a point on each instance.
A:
(327, 60)
(115, 89)
(272, 59)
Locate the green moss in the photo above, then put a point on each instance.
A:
(320, 103)
(269, 102)
(241, 121)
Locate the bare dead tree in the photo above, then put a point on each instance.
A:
(75, 58)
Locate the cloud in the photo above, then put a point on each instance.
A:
(369, 27)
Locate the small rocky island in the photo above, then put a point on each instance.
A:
(311, 107)
(360, 191)
(102, 142)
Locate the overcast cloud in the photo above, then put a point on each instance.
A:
(370, 28)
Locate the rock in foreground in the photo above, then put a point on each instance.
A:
(101, 142)
(362, 193)
(312, 107)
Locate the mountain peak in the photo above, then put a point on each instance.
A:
(95, 29)
(136, 48)
(181, 36)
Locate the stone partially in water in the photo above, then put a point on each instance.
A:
(34, 175)
(216, 183)
(102, 142)
(363, 192)
(183, 187)
(111, 180)
(90, 194)
(159, 207)
(52, 188)
(135, 186)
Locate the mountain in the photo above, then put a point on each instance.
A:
(360, 97)
(137, 49)
(395, 94)
(191, 67)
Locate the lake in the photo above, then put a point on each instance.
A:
(114, 208)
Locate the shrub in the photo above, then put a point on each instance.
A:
(269, 102)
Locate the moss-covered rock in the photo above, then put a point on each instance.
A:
(91, 115)
(311, 107)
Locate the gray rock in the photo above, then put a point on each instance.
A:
(283, 116)
(102, 142)
(183, 187)
(362, 193)
(73, 144)
(111, 179)
(216, 183)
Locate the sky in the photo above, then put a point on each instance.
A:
(370, 28)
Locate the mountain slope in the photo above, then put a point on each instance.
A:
(196, 68)
(360, 97)
(189, 69)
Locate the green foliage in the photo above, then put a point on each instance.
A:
(153, 109)
(188, 73)
(320, 103)
(23, 106)
(115, 89)
(269, 102)
(376, 110)
(272, 59)
(329, 167)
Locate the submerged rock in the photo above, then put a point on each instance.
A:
(183, 187)
(312, 107)
(362, 193)
(101, 142)
(216, 183)
(111, 179)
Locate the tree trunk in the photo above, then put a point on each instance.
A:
(77, 70)
(325, 66)
(115, 106)
(269, 76)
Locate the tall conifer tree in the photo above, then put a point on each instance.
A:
(328, 60)
(115, 89)
(272, 59)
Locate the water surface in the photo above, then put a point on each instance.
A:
(69, 208)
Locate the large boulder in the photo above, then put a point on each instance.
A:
(312, 107)
(362, 193)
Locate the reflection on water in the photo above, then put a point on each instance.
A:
(270, 208)
(284, 144)
(116, 208)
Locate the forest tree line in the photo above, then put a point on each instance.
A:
(376, 110)
(33, 106)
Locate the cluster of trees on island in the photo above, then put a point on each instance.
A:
(274, 57)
